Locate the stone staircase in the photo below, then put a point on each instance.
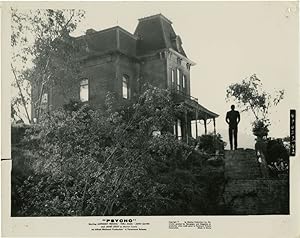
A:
(247, 191)
(242, 164)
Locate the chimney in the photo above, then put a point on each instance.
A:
(90, 31)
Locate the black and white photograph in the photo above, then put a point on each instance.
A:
(151, 109)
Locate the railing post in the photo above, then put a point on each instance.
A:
(214, 120)
(196, 123)
(186, 127)
(205, 126)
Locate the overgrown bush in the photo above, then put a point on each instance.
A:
(104, 162)
(260, 128)
(277, 157)
(276, 151)
(211, 143)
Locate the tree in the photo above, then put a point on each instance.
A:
(108, 162)
(44, 53)
(249, 94)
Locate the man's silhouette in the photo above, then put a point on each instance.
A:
(233, 119)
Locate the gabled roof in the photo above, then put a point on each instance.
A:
(156, 33)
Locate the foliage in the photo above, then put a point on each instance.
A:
(43, 52)
(260, 128)
(277, 156)
(287, 143)
(276, 151)
(105, 162)
(250, 96)
(211, 143)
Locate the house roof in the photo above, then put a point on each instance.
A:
(152, 34)
(156, 33)
(207, 113)
(108, 40)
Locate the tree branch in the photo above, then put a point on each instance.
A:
(21, 93)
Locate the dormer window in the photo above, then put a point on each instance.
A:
(179, 61)
(125, 87)
(188, 66)
(178, 43)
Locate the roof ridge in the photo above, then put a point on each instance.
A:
(155, 16)
(108, 29)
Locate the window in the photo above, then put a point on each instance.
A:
(84, 90)
(179, 60)
(184, 83)
(45, 98)
(156, 133)
(172, 78)
(178, 79)
(179, 132)
(125, 87)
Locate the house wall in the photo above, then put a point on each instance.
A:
(127, 44)
(127, 66)
(101, 75)
(173, 64)
(57, 95)
(104, 75)
(154, 71)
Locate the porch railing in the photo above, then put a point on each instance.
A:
(182, 96)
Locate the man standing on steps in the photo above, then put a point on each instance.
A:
(233, 119)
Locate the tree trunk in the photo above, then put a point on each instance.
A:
(21, 93)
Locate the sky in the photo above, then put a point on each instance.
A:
(229, 41)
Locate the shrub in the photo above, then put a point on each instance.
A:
(260, 128)
(211, 143)
(102, 162)
(276, 151)
(276, 155)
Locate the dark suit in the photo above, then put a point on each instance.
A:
(233, 119)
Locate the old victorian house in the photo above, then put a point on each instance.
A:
(120, 62)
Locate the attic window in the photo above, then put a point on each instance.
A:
(178, 43)
(179, 61)
(188, 66)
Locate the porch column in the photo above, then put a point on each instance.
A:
(175, 129)
(186, 126)
(214, 120)
(196, 123)
(205, 127)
